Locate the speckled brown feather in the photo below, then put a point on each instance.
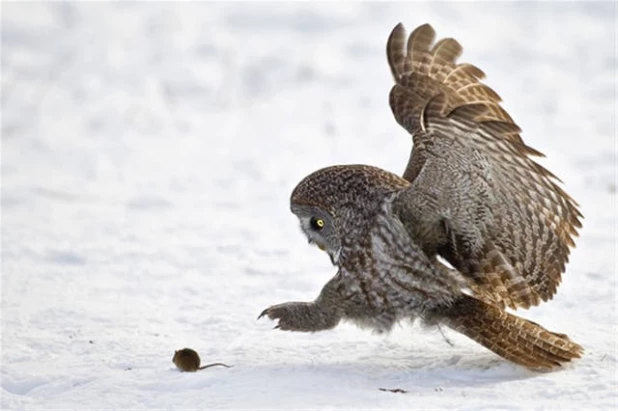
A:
(516, 339)
(526, 244)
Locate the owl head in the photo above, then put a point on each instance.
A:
(336, 204)
(321, 229)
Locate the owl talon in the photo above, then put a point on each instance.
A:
(263, 314)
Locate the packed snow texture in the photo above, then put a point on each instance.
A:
(148, 154)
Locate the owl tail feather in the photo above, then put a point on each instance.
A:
(514, 338)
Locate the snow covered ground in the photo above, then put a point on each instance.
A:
(148, 154)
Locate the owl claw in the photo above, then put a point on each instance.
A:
(275, 313)
(263, 314)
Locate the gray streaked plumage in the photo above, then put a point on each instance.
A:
(470, 194)
(509, 226)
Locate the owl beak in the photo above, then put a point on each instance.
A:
(319, 245)
(323, 248)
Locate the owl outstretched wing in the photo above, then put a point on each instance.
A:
(525, 221)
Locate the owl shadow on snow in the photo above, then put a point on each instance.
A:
(418, 371)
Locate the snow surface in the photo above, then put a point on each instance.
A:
(148, 154)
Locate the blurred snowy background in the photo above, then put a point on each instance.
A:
(148, 154)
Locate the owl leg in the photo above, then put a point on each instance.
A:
(322, 314)
(302, 316)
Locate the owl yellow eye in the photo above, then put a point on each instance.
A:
(317, 223)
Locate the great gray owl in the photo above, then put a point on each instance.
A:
(470, 194)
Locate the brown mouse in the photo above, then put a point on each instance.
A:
(188, 360)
